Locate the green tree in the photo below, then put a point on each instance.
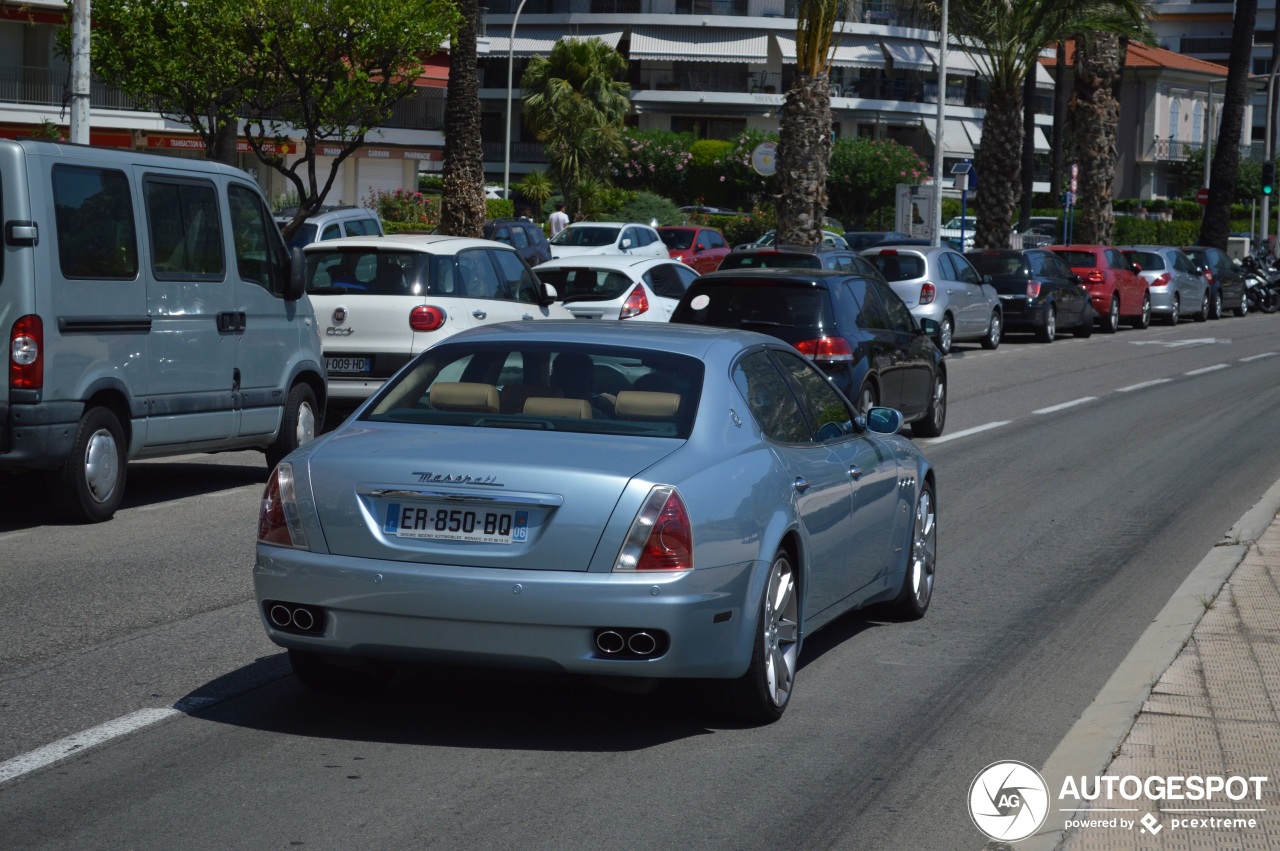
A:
(804, 127)
(536, 187)
(330, 71)
(463, 211)
(145, 50)
(1007, 39)
(575, 101)
(864, 174)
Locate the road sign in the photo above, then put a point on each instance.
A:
(764, 158)
(1202, 197)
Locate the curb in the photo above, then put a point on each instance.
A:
(1090, 744)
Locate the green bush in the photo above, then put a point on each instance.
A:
(430, 183)
(499, 208)
(647, 206)
(413, 208)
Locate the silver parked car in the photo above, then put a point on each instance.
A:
(941, 284)
(1177, 287)
(605, 498)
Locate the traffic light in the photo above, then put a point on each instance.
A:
(1268, 177)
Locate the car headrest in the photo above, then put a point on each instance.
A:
(646, 405)
(549, 406)
(464, 396)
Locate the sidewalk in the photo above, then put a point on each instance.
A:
(1215, 711)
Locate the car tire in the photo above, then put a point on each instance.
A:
(994, 329)
(935, 416)
(1202, 314)
(300, 424)
(917, 581)
(1111, 322)
(1242, 309)
(867, 399)
(761, 695)
(318, 674)
(1175, 314)
(1085, 328)
(89, 485)
(1049, 329)
(946, 332)
(1215, 306)
(1143, 320)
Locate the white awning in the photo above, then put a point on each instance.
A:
(700, 44)
(956, 141)
(538, 41)
(1044, 80)
(908, 55)
(959, 62)
(1041, 141)
(852, 51)
(974, 129)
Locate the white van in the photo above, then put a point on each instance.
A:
(150, 308)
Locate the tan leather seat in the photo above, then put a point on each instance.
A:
(514, 396)
(543, 406)
(645, 405)
(464, 396)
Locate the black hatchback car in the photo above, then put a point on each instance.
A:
(524, 236)
(1226, 280)
(1038, 291)
(798, 257)
(854, 327)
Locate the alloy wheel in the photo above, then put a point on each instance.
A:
(924, 551)
(780, 631)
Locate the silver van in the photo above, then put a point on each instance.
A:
(150, 309)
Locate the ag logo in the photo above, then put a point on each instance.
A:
(1008, 801)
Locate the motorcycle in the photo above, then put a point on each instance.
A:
(1262, 285)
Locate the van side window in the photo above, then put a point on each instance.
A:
(260, 255)
(94, 214)
(186, 234)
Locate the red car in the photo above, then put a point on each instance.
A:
(699, 247)
(1117, 291)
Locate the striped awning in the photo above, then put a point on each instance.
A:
(908, 55)
(852, 51)
(700, 44)
(1044, 80)
(959, 62)
(1041, 141)
(538, 40)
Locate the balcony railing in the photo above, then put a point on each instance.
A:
(419, 111)
(1176, 150)
(707, 80)
(48, 87)
(521, 152)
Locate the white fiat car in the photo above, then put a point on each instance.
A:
(381, 300)
(608, 238)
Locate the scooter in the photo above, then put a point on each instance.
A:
(1262, 286)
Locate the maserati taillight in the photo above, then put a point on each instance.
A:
(26, 353)
(279, 522)
(661, 536)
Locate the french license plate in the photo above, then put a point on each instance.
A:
(445, 522)
(347, 364)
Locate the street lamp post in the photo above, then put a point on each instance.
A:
(941, 128)
(511, 61)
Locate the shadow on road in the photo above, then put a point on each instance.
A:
(24, 501)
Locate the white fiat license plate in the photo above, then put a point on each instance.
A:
(448, 522)
(347, 364)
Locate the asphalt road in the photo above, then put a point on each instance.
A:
(1063, 531)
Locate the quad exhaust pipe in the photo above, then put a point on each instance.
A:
(623, 643)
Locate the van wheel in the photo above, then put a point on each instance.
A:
(300, 423)
(90, 483)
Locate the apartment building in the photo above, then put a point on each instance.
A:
(35, 82)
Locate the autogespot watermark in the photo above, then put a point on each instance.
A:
(1009, 801)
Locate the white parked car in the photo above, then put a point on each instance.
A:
(380, 301)
(608, 238)
(952, 230)
(599, 287)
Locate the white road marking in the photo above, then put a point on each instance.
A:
(1143, 384)
(1175, 344)
(82, 741)
(1258, 357)
(968, 432)
(1065, 405)
(1202, 371)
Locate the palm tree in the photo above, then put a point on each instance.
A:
(1093, 116)
(1226, 156)
(804, 127)
(575, 102)
(1007, 38)
(462, 210)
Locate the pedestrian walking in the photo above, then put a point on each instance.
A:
(559, 220)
